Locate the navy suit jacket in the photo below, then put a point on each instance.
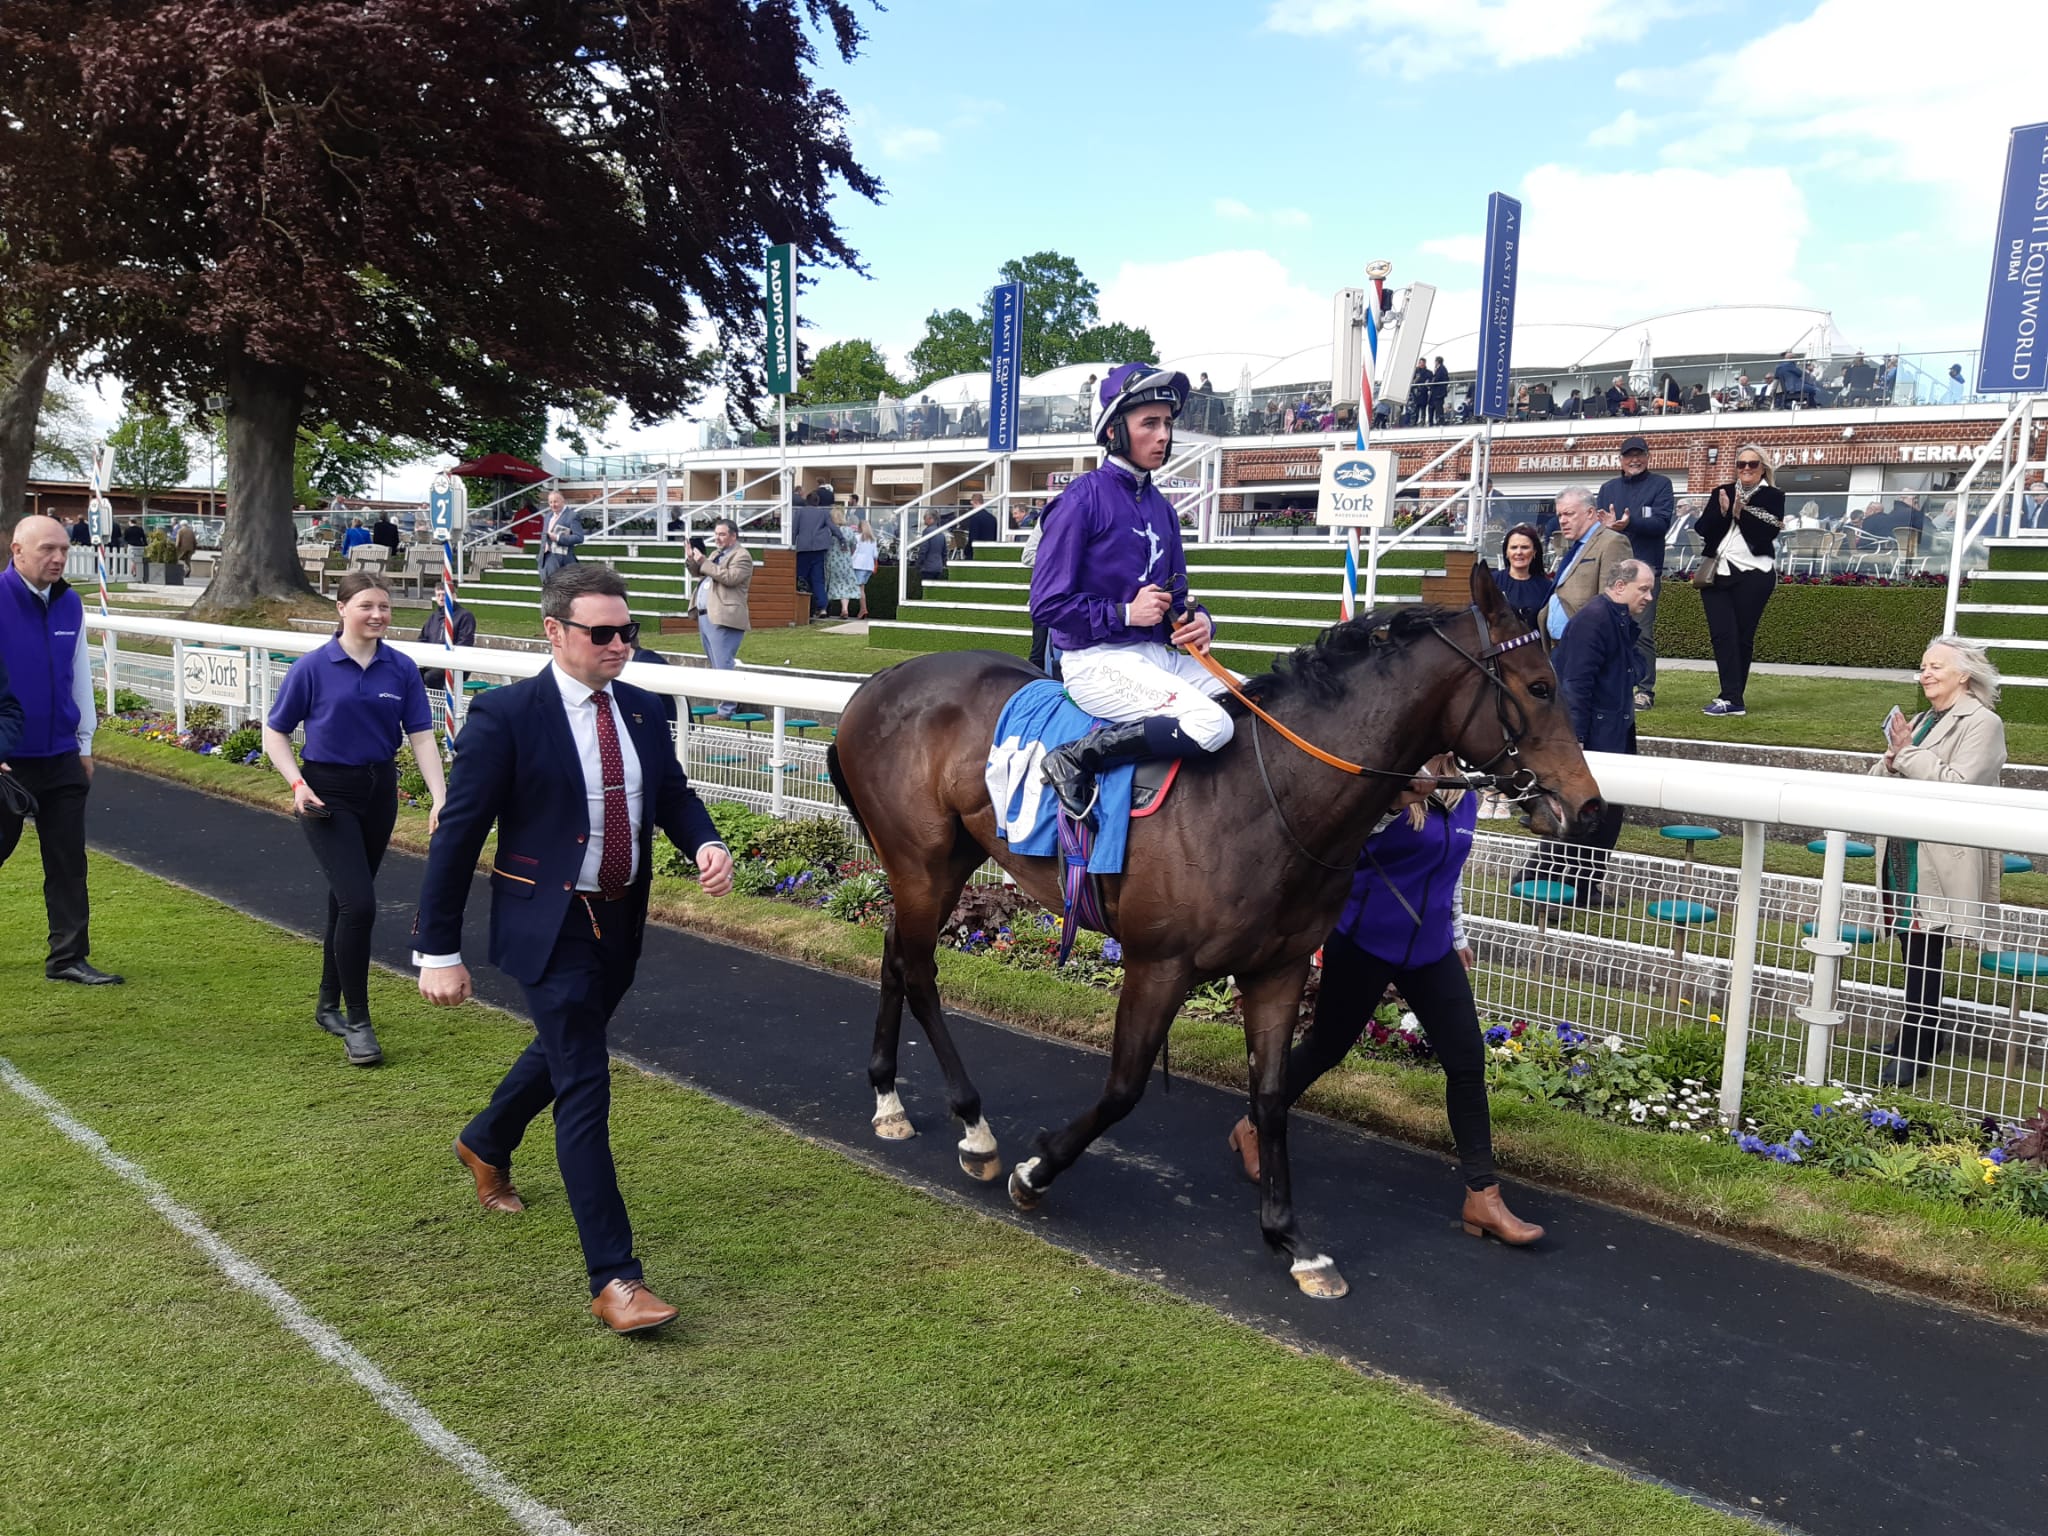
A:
(1598, 668)
(11, 717)
(516, 767)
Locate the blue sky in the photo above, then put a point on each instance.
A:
(1220, 168)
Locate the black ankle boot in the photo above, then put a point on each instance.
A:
(328, 1015)
(359, 1041)
(1071, 770)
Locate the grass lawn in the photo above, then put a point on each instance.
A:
(1985, 1257)
(853, 1356)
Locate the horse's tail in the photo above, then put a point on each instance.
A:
(845, 791)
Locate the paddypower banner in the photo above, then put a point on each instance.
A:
(781, 314)
(2015, 353)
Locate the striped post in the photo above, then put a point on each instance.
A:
(100, 475)
(450, 684)
(1365, 408)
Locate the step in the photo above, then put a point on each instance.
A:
(901, 636)
(1216, 599)
(1261, 633)
(1991, 623)
(2038, 610)
(2016, 554)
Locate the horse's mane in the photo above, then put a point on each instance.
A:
(1317, 672)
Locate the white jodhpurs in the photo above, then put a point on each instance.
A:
(1135, 682)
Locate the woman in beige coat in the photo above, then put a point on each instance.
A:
(1933, 894)
(725, 572)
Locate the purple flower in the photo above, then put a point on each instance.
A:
(1801, 1139)
(1497, 1034)
(1566, 1035)
(1112, 951)
(1997, 1155)
(1820, 1111)
(1580, 1069)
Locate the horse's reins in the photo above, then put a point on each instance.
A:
(1521, 779)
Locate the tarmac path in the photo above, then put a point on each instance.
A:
(1793, 1394)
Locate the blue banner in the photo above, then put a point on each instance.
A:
(1497, 305)
(1005, 367)
(2012, 356)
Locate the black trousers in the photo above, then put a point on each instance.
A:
(1734, 609)
(1583, 866)
(1646, 644)
(569, 1065)
(350, 845)
(60, 786)
(1922, 1036)
(1040, 638)
(1441, 996)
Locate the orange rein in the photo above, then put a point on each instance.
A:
(1221, 673)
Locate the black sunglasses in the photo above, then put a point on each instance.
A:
(1749, 463)
(605, 634)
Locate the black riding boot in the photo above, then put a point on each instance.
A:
(1071, 770)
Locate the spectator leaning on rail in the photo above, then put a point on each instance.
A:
(1110, 584)
(1739, 529)
(1592, 551)
(1403, 926)
(1598, 666)
(725, 573)
(1934, 894)
(431, 633)
(1639, 505)
(42, 646)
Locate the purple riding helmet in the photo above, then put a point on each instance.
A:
(1124, 388)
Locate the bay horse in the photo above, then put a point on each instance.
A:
(1241, 873)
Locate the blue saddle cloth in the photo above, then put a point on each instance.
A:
(1039, 718)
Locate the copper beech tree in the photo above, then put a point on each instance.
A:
(398, 216)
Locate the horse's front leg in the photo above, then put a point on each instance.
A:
(1152, 995)
(1272, 1002)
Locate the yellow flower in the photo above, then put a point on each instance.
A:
(1515, 1046)
(1713, 1018)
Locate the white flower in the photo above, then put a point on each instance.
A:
(1638, 1111)
(1409, 1023)
(1678, 1125)
(1614, 1042)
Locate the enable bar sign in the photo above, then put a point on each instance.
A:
(2012, 356)
(1497, 299)
(781, 311)
(1005, 366)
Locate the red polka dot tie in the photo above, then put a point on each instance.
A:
(615, 864)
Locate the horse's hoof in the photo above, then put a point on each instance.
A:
(1318, 1277)
(1022, 1195)
(982, 1166)
(891, 1123)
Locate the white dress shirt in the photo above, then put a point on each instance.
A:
(81, 682)
(583, 727)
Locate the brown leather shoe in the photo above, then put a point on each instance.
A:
(1487, 1215)
(494, 1191)
(1244, 1141)
(627, 1306)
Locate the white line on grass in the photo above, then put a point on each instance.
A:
(530, 1514)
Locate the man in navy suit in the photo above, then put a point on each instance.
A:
(576, 770)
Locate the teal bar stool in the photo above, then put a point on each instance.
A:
(2016, 864)
(1683, 913)
(699, 711)
(804, 728)
(749, 718)
(1545, 896)
(2019, 965)
(1852, 933)
(1852, 848)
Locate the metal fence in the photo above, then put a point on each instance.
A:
(1798, 974)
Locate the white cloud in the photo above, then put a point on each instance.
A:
(909, 143)
(1619, 133)
(1425, 37)
(1243, 213)
(1880, 89)
(1465, 250)
(1226, 301)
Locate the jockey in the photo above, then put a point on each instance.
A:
(1110, 584)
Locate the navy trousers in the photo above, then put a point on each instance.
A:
(810, 570)
(568, 1065)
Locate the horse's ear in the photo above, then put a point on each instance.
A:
(1486, 596)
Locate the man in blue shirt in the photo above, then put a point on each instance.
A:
(42, 647)
(1640, 505)
(1110, 585)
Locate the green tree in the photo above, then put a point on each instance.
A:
(150, 452)
(328, 462)
(953, 342)
(64, 433)
(1061, 325)
(406, 216)
(848, 370)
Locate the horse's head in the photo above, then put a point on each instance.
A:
(1505, 715)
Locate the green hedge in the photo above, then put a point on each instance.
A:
(1815, 626)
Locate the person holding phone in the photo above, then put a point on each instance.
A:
(1739, 529)
(356, 697)
(1934, 894)
(725, 577)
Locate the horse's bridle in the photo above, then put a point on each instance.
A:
(1519, 783)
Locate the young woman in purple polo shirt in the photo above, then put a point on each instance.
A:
(357, 698)
(1404, 926)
